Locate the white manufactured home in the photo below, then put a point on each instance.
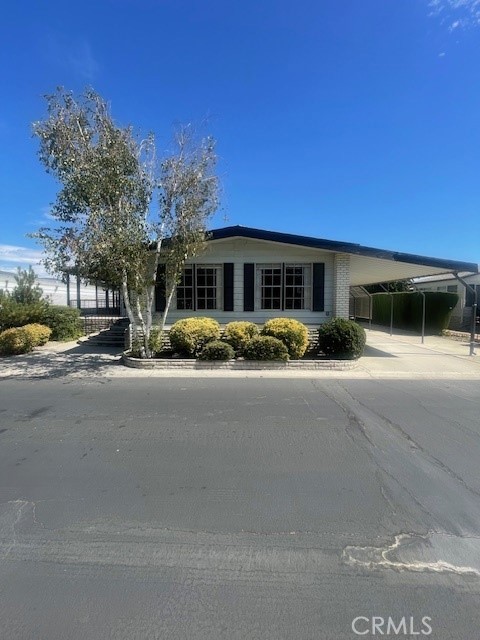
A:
(254, 274)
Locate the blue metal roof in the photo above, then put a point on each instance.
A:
(238, 231)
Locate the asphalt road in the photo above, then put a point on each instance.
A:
(238, 508)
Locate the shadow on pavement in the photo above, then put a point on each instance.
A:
(371, 352)
(81, 360)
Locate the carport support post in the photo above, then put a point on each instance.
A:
(472, 290)
(391, 308)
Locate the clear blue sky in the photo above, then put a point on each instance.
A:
(353, 120)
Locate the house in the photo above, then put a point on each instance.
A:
(254, 274)
(461, 317)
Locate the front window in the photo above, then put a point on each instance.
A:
(270, 286)
(297, 286)
(199, 288)
(283, 286)
(185, 289)
(207, 287)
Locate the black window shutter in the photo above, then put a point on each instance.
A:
(228, 286)
(318, 286)
(249, 286)
(160, 288)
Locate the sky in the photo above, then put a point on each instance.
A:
(352, 120)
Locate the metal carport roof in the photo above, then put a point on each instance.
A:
(368, 265)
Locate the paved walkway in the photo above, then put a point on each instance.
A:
(399, 356)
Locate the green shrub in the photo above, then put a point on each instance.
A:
(15, 341)
(217, 350)
(190, 335)
(136, 349)
(438, 310)
(64, 322)
(292, 333)
(155, 341)
(343, 339)
(40, 334)
(265, 348)
(16, 314)
(238, 334)
(408, 310)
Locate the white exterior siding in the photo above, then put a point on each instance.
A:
(243, 250)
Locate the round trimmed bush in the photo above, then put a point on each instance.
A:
(190, 335)
(39, 333)
(238, 334)
(265, 348)
(292, 333)
(342, 339)
(217, 350)
(15, 341)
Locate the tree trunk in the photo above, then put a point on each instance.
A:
(128, 308)
(145, 350)
(149, 298)
(168, 302)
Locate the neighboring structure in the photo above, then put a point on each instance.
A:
(53, 290)
(254, 274)
(462, 313)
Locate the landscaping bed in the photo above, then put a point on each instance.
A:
(282, 343)
(238, 364)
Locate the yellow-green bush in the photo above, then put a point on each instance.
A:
(15, 341)
(190, 335)
(40, 334)
(292, 333)
(238, 334)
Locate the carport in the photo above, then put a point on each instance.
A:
(374, 266)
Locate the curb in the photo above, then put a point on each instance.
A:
(239, 365)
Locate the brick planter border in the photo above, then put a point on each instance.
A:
(238, 365)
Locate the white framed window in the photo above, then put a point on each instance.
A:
(200, 288)
(186, 289)
(269, 288)
(208, 286)
(298, 286)
(283, 286)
